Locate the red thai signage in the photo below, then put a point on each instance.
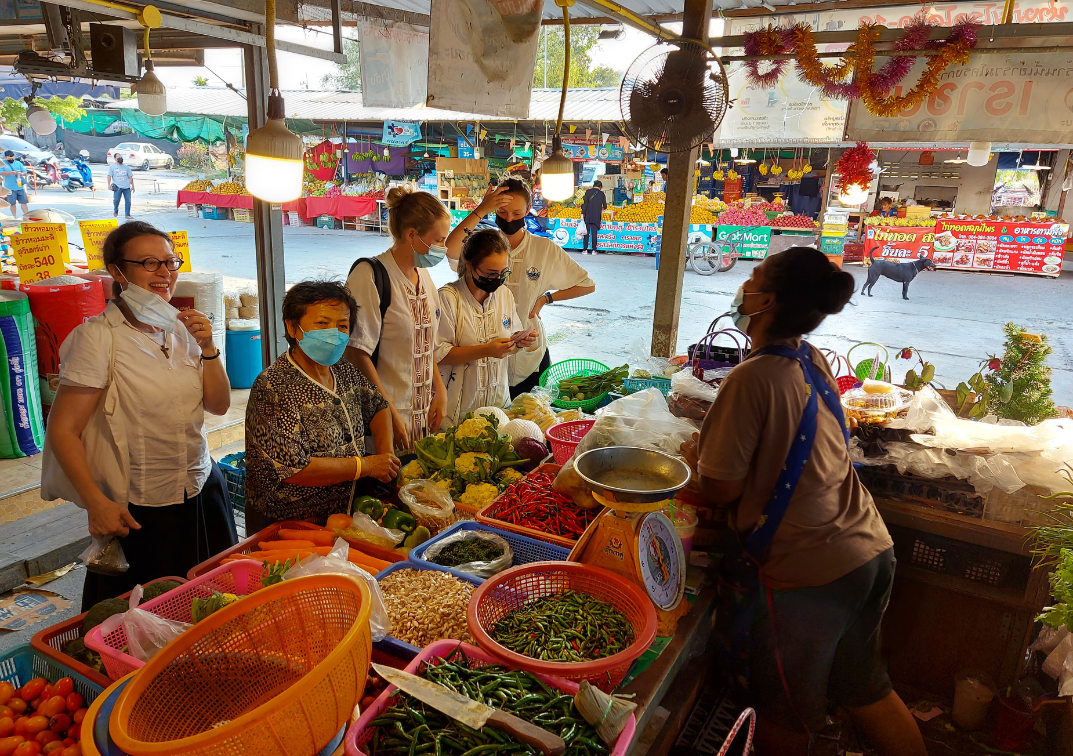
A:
(897, 243)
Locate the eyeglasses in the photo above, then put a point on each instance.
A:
(503, 274)
(152, 264)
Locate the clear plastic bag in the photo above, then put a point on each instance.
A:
(146, 633)
(365, 528)
(477, 569)
(684, 383)
(430, 504)
(338, 563)
(536, 406)
(105, 556)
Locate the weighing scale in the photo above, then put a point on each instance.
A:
(632, 537)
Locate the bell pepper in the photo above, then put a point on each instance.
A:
(395, 519)
(368, 505)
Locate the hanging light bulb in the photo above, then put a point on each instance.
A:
(733, 152)
(853, 195)
(979, 154)
(273, 152)
(956, 160)
(387, 152)
(40, 119)
(152, 96)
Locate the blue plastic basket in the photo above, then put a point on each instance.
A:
(525, 550)
(393, 646)
(633, 385)
(22, 664)
(236, 488)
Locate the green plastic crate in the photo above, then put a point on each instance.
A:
(571, 369)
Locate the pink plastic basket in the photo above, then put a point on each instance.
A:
(565, 437)
(360, 732)
(240, 578)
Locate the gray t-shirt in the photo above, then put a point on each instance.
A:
(121, 175)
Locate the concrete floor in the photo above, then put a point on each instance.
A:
(70, 587)
(955, 319)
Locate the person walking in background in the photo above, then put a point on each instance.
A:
(12, 173)
(121, 182)
(592, 208)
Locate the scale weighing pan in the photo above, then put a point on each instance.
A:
(632, 479)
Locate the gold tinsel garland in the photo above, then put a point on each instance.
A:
(955, 52)
(808, 62)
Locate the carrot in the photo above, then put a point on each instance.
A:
(318, 537)
(285, 544)
(362, 559)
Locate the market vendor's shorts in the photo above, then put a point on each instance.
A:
(829, 642)
(18, 195)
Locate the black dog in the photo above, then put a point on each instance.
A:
(903, 272)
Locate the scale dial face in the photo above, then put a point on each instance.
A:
(661, 561)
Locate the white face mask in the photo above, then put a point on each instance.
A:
(150, 308)
(740, 319)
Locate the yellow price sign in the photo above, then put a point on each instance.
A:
(59, 229)
(181, 243)
(38, 255)
(94, 232)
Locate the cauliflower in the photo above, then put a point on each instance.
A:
(508, 475)
(475, 434)
(473, 465)
(479, 495)
(474, 427)
(412, 471)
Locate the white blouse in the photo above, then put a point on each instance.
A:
(466, 322)
(159, 413)
(407, 341)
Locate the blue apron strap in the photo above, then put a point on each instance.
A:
(757, 543)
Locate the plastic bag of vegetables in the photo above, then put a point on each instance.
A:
(338, 563)
(366, 528)
(477, 546)
(430, 503)
(146, 633)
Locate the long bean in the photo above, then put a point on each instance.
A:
(410, 727)
(565, 627)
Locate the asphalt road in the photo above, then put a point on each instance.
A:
(955, 319)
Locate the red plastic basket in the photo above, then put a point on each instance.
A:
(269, 533)
(487, 517)
(846, 382)
(241, 578)
(518, 586)
(49, 641)
(565, 437)
(361, 732)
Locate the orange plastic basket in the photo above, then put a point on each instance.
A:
(518, 586)
(275, 674)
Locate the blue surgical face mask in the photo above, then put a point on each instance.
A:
(324, 346)
(150, 308)
(741, 320)
(436, 252)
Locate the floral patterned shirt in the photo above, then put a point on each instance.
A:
(290, 419)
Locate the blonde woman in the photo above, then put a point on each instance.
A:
(394, 339)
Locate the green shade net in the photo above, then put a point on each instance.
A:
(176, 127)
(93, 121)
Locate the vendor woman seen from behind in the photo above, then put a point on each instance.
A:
(308, 415)
(773, 449)
(541, 273)
(394, 341)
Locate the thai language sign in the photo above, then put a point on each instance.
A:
(897, 243)
(1025, 98)
(38, 255)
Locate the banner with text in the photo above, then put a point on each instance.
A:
(180, 242)
(581, 151)
(1025, 98)
(897, 243)
(38, 255)
(401, 133)
(59, 229)
(481, 55)
(394, 64)
(94, 232)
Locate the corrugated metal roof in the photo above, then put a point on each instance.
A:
(582, 105)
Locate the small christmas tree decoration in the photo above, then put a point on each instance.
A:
(1019, 386)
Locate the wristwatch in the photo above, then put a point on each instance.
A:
(547, 296)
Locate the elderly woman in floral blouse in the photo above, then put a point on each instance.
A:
(307, 416)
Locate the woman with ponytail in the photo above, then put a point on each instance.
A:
(810, 558)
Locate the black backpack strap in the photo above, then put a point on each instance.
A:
(383, 290)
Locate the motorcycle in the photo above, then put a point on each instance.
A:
(75, 174)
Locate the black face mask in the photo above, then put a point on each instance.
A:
(488, 283)
(510, 227)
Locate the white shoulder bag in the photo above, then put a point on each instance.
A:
(106, 450)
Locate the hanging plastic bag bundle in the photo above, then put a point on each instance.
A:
(146, 633)
(337, 563)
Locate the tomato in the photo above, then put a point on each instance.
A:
(46, 736)
(54, 747)
(17, 705)
(7, 690)
(52, 706)
(29, 748)
(79, 715)
(75, 732)
(65, 686)
(7, 726)
(36, 724)
(8, 745)
(32, 689)
(46, 693)
(74, 750)
(20, 725)
(73, 701)
(5, 711)
(60, 723)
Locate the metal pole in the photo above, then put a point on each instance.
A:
(267, 220)
(680, 185)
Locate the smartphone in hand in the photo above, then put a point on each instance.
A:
(519, 336)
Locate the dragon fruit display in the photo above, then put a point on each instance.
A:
(736, 216)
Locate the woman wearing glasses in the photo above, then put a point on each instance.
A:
(479, 328)
(126, 437)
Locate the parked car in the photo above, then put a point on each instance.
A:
(141, 155)
(24, 151)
